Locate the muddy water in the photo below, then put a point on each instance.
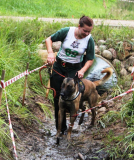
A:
(41, 144)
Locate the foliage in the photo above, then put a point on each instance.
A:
(4, 139)
(110, 9)
(46, 109)
(56, 8)
(121, 145)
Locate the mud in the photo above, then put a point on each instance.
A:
(36, 141)
(42, 145)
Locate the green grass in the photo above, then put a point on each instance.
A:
(113, 9)
(54, 8)
(120, 145)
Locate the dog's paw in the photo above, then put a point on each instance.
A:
(57, 134)
(68, 138)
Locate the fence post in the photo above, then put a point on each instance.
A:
(25, 85)
(2, 79)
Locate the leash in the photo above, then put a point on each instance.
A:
(81, 86)
(54, 91)
(44, 67)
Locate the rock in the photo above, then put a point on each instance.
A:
(103, 155)
(129, 62)
(118, 105)
(101, 42)
(41, 46)
(102, 109)
(123, 72)
(127, 46)
(111, 104)
(123, 55)
(43, 54)
(124, 49)
(81, 156)
(109, 41)
(97, 51)
(132, 54)
(102, 48)
(116, 63)
(114, 55)
(107, 54)
(56, 46)
(130, 69)
(133, 48)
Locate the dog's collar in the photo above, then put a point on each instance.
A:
(67, 99)
(81, 88)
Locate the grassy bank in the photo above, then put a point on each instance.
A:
(110, 9)
(18, 45)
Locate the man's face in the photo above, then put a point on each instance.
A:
(84, 31)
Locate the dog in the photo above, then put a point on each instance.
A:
(71, 99)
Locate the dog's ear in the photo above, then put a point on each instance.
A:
(76, 78)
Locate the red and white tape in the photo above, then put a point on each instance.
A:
(12, 80)
(132, 74)
(3, 85)
(10, 127)
(121, 95)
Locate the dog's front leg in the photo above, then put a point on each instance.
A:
(72, 119)
(60, 120)
(93, 116)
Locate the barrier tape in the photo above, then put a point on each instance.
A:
(3, 85)
(10, 127)
(132, 74)
(12, 80)
(121, 95)
(132, 70)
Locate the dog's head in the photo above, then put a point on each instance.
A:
(68, 88)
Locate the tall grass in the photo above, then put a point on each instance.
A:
(55, 8)
(110, 9)
(120, 146)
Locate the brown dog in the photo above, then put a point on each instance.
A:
(71, 99)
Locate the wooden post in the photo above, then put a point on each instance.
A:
(48, 85)
(2, 79)
(25, 85)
